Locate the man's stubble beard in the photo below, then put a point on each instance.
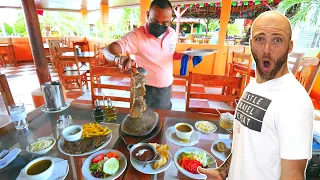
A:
(280, 62)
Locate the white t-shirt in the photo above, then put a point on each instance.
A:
(273, 121)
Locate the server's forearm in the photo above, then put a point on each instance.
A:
(111, 51)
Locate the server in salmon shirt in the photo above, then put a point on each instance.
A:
(153, 45)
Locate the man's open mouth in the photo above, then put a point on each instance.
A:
(266, 65)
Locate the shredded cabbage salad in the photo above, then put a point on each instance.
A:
(40, 144)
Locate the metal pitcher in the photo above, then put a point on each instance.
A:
(53, 95)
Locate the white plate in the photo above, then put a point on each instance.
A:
(185, 172)
(21, 176)
(213, 130)
(172, 137)
(85, 166)
(61, 140)
(44, 109)
(44, 151)
(221, 155)
(148, 169)
(200, 52)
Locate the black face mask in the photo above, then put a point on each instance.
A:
(157, 29)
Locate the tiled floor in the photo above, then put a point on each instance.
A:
(23, 80)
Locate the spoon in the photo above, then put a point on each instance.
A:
(145, 163)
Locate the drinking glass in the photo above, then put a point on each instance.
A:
(18, 116)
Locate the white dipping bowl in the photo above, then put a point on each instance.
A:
(44, 151)
(66, 133)
(44, 175)
(183, 135)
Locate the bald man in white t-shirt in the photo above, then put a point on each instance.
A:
(272, 131)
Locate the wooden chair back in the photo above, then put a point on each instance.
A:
(307, 71)
(66, 41)
(97, 85)
(242, 60)
(84, 46)
(232, 49)
(235, 83)
(293, 61)
(6, 92)
(69, 69)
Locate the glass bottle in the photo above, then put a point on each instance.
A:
(98, 114)
(111, 111)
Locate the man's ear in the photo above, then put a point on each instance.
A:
(147, 14)
(290, 46)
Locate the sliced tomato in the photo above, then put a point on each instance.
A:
(193, 166)
(98, 158)
(111, 155)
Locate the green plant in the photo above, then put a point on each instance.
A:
(305, 9)
(213, 25)
(20, 25)
(8, 29)
(233, 29)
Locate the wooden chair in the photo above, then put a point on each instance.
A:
(241, 63)
(231, 50)
(307, 70)
(293, 61)
(6, 92)
(86, 66)
(66, 41)
(2, 60)
(70, 72)
(97, 85)
(84, 46)
(54, 48)
(235, 83)
(7, 54)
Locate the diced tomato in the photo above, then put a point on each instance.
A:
(111, 155)
(98, 158)
(193, 166)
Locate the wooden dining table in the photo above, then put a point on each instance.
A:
(46, 45)
(42, 124)
(85, 56)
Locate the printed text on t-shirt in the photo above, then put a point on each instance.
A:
(251, 110)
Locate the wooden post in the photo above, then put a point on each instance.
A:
(219, 63)
(35, 40)
(104, 12)
(191, 28)
(6, 92)
(84, 15)
(178, 14)
(144, 7)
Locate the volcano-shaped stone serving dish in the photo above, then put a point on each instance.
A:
(140, 126)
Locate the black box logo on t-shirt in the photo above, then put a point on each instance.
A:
(251, 110)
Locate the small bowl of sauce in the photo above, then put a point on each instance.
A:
(72, 133)
(184, 130)
(40, 168)
(143, 152)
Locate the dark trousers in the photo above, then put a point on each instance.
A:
(158, 98)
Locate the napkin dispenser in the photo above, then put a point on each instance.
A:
(53, 95)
